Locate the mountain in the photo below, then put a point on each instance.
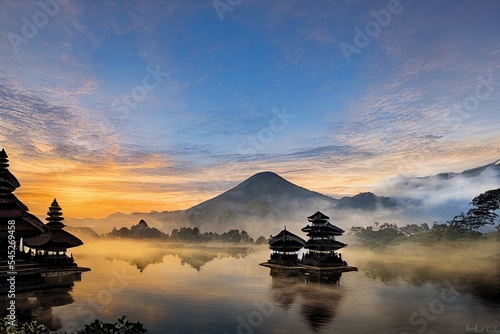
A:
(82, 232)
(267, 199)
(493, 167)
(264, 196)
(264, 199)
(489, 174)
(366, 201)
(442, 196)
(119, 219)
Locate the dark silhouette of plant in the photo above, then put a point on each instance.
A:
(122, 326)
(482, 213)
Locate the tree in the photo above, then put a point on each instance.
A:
(460, 221)
(413, 229)
(261, 240)
(485, 206)
(483, 212)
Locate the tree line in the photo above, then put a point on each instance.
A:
(183, 234)
(464, 226)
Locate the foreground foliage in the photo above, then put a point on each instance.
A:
(121, 326)
(24, 328)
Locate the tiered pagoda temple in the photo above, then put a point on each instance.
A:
(12, 209)
(50, 247)
(46, 244)
(320, 250)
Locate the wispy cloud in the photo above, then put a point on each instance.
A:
(390, 111)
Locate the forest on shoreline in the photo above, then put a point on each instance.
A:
(142, 231)
(463, 227)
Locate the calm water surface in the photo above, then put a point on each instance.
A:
(198, 289)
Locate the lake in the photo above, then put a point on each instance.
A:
(222, 289)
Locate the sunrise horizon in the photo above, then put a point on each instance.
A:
(99, 204)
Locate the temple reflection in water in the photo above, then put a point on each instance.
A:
(317, 296)
(38, 305)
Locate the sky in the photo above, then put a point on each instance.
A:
(158, 105)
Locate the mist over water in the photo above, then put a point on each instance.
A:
(193, 288)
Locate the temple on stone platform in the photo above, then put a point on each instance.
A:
(320, 250)
(47, 243)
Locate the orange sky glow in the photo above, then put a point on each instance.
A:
(93, 191)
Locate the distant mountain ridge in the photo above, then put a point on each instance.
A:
(264, 198)
(366, 201)
(473, 172)
(267, 199)
(495, 166)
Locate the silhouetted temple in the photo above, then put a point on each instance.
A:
(51, 246)
(322, 246)
(38, 249)
(285, 247)
(320, 250)
(11, 209)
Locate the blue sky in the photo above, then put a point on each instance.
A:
(266, 88)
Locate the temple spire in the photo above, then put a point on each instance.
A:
(55, 217)
(4, 161)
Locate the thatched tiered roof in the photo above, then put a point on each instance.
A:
(55, 239)
(322, 234)
(11, 208)
(286, 241)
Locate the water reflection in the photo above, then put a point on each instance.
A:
(38, 305)
(318, 296)
(483, 285)
(44, 305)
(196, 256)
(170, 297)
